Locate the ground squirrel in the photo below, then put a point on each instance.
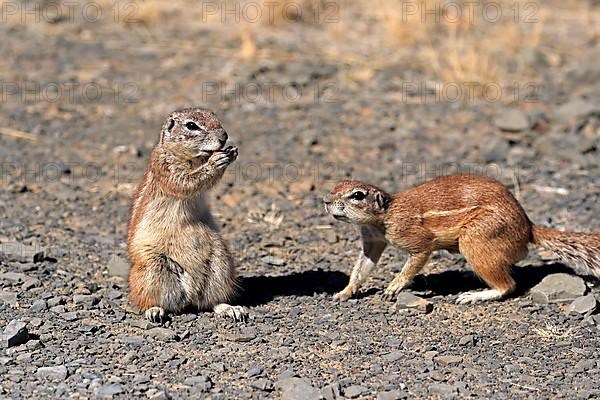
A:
(178, 258)
(470, 214)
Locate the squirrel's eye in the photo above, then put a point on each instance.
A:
(358, 195)
(192, 126)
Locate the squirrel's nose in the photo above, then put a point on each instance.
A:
(223, 137)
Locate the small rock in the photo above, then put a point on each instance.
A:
(584, 365)
(583, 305)
(14, 334)
(8, 298)
(141, 323)
(70, 316)
(297, 389)
(56, 301)
(558, 288)
(109, 391)
(355, 391)
(512, 120)
(467, 340)
(448, 360)
(134, 340)
(443, 390)
(332, 391)
(262, 384)
(162, 333)
(200, 382)
(14, 277)
(392, 395)
(574, 108)
(58, 373)
(240, 337)
(38, 306)
(407, 300)
(86, 299)
(512, 368)
(285, 375)
(393, 356)
(254, 371)
(118, 267)
(272, 260)
(158, 395)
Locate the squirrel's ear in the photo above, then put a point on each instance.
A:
(167, 130)
(382, 200)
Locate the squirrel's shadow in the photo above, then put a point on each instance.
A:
(459, 281)
(257, 290)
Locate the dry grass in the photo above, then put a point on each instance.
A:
(465, 47)
(145, 13)
(437, 46)
(293, 11)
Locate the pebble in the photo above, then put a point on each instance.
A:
(584, 365)
(448, 360)
(393, 356)
(574, 108)
(512, 120)
(141, 323)
(134, 340)
(392, 395)
(162, 333)
(108, 391)
(15, 333)
(200, 382)
(332, 391)
(38, 306)
(58, 373)
(8, 298)
(467, 340)
(157, 395)
(297, 389)
(86, 299)
(262, 384)
(240, 337)
(558, 288)
(56, 301)
(443, 390)
(254, 371)
(70, 316)
(275, 261)
(583, 305)
(407, 300)
(355, 391)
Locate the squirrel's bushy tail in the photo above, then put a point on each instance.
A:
(581, 250)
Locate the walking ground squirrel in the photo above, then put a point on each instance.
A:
(178, 258)
(470, 214)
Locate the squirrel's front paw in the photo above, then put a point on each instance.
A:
(344, 294)
(222, 158)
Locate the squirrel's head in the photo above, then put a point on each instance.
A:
(198, 130)
(356, 202)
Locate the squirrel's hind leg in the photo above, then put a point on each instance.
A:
(156, 288)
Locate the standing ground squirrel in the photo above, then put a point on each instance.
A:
(470, 214)
(178, 258)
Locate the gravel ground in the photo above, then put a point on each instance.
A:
(66, 197)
